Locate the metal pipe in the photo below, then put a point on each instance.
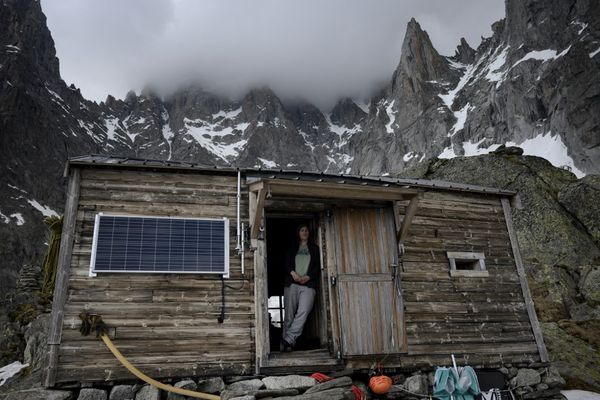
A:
(239, 196)
(243, 246)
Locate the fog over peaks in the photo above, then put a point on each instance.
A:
(315, 50)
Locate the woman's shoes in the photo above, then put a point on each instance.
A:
(285, 347)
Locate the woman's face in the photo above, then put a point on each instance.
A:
(303, 233)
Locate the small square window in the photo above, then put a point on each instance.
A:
(467, 264)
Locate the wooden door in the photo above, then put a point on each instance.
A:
(369, 301)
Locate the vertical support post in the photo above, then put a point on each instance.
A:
(535, 324)
(261, 301)
(62, 276)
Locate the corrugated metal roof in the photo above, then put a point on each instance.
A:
(299, 175)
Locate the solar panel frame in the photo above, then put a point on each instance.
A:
(217, 240)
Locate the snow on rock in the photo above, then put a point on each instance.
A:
(306, 140)
(391, 115)
(12, 49)
(344, 133)
(19, 220)
(111, 125)
(227, 114)
(582, 26)
(268, 163)
(580, 395)
(10, 370)
(461, 118)
(45, 210)
(409, 156)
(448, 152)
(542, 55)
(4, 218)
(550, 147)
(167, 132)
(211, 136)
(494, 74)
(473, 149)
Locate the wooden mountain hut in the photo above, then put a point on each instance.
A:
(183, 263)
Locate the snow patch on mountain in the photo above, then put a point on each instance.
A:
(227, 114)
(494, 73)
(10, 370)
(306, 140)
(111, 125)
(17, 218)
(542, 55)
(461, 118)
(545, 145)
(550, 147)
(391, 116)
(45, 210)
(267, 163)
(343, 133)
(216, 139)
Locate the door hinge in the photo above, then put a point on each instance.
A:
(333, 280)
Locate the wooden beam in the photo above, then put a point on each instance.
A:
(336, 190)
(258, 213)
(62, 276)
(535, 324)
(408, 218)
(261, 303)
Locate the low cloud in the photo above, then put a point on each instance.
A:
(316, 50)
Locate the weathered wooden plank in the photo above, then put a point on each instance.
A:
(472, 348)
(260, 300)
(409, 214)
(110, 371)
(430, 361)
(193, 197)
(62, 277)
(258, 213)
(133, 176)
(463, 307)
(418, 318)
(539, 338)
(333, 190)
(489, 339)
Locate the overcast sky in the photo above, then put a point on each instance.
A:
(318, 50)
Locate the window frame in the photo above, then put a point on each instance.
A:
(226, 232)
(479, 271)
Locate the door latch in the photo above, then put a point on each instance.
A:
(333, 280)
(394, 270)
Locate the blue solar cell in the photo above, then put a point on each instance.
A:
(150, 244)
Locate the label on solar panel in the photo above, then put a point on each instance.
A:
(160, 245)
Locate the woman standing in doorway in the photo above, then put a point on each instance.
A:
(302, 267)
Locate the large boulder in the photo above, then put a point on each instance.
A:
(289, 382)
(576, 359)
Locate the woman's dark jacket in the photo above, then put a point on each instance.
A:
(314, 267)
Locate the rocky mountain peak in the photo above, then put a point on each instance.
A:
(419, 59)
(464, 53)
(347, 113)
(26, 43)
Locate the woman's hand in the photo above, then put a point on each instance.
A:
(295, 276)
(304, 279)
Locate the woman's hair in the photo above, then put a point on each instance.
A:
(303, 225)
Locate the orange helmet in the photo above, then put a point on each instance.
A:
(380, 384)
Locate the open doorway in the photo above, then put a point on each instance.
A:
(281, 233)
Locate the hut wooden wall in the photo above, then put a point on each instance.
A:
(166, 324)
(483, 320)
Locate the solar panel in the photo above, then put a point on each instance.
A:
(143, 244)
